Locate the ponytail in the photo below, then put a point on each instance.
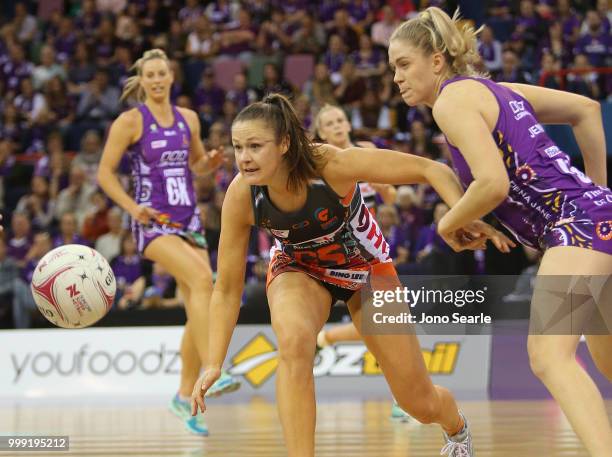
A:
(303, 159)
(132, 87)
(434, 31)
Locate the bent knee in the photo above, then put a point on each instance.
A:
(295, 344)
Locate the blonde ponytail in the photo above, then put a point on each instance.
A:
(132, 87)
(434, 31)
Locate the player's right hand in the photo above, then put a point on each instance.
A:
(144, 214)
(201, 387)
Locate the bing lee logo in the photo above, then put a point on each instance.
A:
(257, 360)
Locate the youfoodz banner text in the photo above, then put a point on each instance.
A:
(145, 360)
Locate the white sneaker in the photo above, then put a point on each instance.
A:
(461, 448)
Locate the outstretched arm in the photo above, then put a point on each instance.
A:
(383, 166)
(236, 221)
(201, 162)
(581, 113)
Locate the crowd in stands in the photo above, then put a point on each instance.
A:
(63, 64)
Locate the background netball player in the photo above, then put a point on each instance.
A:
(508, 164)
(333, 127)
(307, 197)
(164, 147)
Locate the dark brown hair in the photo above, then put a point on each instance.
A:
(304, 160)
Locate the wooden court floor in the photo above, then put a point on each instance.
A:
(345, 428)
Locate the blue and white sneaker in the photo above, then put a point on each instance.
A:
(193, 424)
(398, 414)
(224, 385)
(459, 445)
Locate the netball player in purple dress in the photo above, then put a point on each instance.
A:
(509, 165)
(164, 147)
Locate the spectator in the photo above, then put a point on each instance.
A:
(596, 43)
(189, 14)
(583, 82)
(351, 87)
(382, 29)
(334, 57)
(105, 42)
(88, 20)
(208, 95)
(111, 6)
(548, 66)
(21, 238)
(361, 13)
(555, 45)
(175, 41)
(369, 61)
(8, 273)
(68, 233)
(59, 106)
(81, 69)
(89, 157)
(370, 119)
(274, 34)
(24, 24)
(529, 25)
(109, 244)
(309, 37)
(129, 271)
(54, 165)
(65, 42)
(511, 73)
(96, 221)
(399, 244)
(74, 199)
(320, 89)
(156, 18)
(120, 69)
(273, 82)
(30, 103)
(570, 21)
(420, 141)
(98, 104)
(15, 69)
(160, 290)
(37, 204)
(222, 12)
(48, 68)
(238, 40)
(342, 27)
(490, 49)
(241, 94)
(605, 13)
(201, 42)
(23, 301)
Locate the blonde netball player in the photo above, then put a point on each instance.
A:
(307, 196)
(164, 146)
(510, 166)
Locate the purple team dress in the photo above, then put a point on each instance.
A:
(550, 203)
(162, 178)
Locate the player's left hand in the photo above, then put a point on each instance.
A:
(478, 229)
(462, 240)
(210, 161)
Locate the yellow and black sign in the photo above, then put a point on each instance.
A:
(257, 360)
